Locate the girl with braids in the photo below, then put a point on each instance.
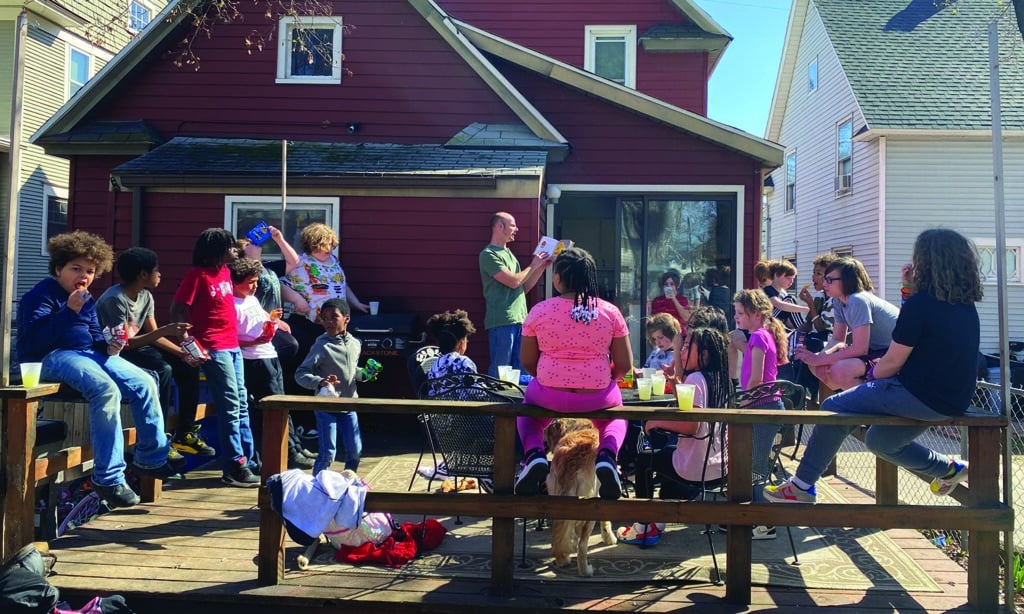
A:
(451, 329)
(680, 467)
(568, 341)
(766, 348)
(928, 373)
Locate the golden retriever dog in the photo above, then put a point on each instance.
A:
(573, 443)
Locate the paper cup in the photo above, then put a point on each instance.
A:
(684, 396)
(374, 307)
(658, 384)
(30, 373)
(643, 388)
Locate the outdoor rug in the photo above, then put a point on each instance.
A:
(829, 558)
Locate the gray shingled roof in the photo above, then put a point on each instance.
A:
(197, 157)
(913, 65)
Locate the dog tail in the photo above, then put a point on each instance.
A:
(573, 462)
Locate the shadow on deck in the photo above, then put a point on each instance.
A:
(195, 550)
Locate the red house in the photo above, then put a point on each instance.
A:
(409, 124)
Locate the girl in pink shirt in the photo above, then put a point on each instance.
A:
(568, 342)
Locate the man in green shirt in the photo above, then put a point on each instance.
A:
(505, 287)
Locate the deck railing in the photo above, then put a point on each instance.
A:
(982, 511)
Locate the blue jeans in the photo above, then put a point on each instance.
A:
(504, 343)
(103, 380)
(893, 443)
(225, 377)
(327, 429)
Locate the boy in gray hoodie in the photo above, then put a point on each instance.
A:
(331, 369)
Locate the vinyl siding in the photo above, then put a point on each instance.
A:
(820, 222)
(6, 74)
(933, 183)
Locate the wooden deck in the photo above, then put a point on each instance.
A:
(195, 549)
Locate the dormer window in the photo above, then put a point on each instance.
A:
(309, 50)
(610, 52)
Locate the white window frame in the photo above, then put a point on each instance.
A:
(844, 181)
(284, 52)
(812, 75)
(843, 252)
(147, 6)
(789, 196)
(1014, 246)
(627, 33)
(49, 191)
(234, 204)
(91, 67)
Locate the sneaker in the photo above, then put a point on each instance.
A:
(639, 534)
(163, 471)
(298, 460)
(945, 485)
(788, 492)
(608, 475)
(176, 460)
(118, 495)
(763, 532)
(191, 443)
(243, 477)
(532, 473)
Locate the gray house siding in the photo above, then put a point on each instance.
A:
(949, 183)
(45, 91)
(821, 221)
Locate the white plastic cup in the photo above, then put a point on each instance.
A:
(684, 396)
(512, 376)
(643, 388)
(503, 372)
(649, 372)
(30, 373)
(374, 307)
(658, 384)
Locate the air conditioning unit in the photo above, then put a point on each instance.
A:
(843, 183)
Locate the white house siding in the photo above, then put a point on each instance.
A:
(821, 222)
(949, 183)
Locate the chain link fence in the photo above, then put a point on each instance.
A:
(856, 464)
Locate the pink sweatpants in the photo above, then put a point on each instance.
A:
(531, 429)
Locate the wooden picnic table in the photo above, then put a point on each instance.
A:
(982, 512)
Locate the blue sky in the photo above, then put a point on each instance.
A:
(740, 91)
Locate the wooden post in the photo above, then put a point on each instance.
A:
(738, 538)
(983, 546)
(503, 529)
(19, 431)
(887, 487)
(271, 550)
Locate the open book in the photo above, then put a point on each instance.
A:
(551, 247)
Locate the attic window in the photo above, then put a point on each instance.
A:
(140, 13)
(812, 75)
(309, 50)
(610, 52)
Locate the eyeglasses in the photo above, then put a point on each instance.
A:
(829, 280)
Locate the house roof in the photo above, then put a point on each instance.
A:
(122, 137)
(209, 161)
(470, 44)
(913, 65)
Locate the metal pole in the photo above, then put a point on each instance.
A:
(14, 181)
(284, 180)
(1004, 345)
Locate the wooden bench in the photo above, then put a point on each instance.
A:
(23, 469)
(983, 512)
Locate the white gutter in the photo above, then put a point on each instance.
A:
(7, 289)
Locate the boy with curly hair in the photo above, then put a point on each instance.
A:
(57, 325)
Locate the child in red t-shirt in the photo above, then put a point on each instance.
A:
(205, 298)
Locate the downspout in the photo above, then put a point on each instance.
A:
(882, 251)
(14, 181)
